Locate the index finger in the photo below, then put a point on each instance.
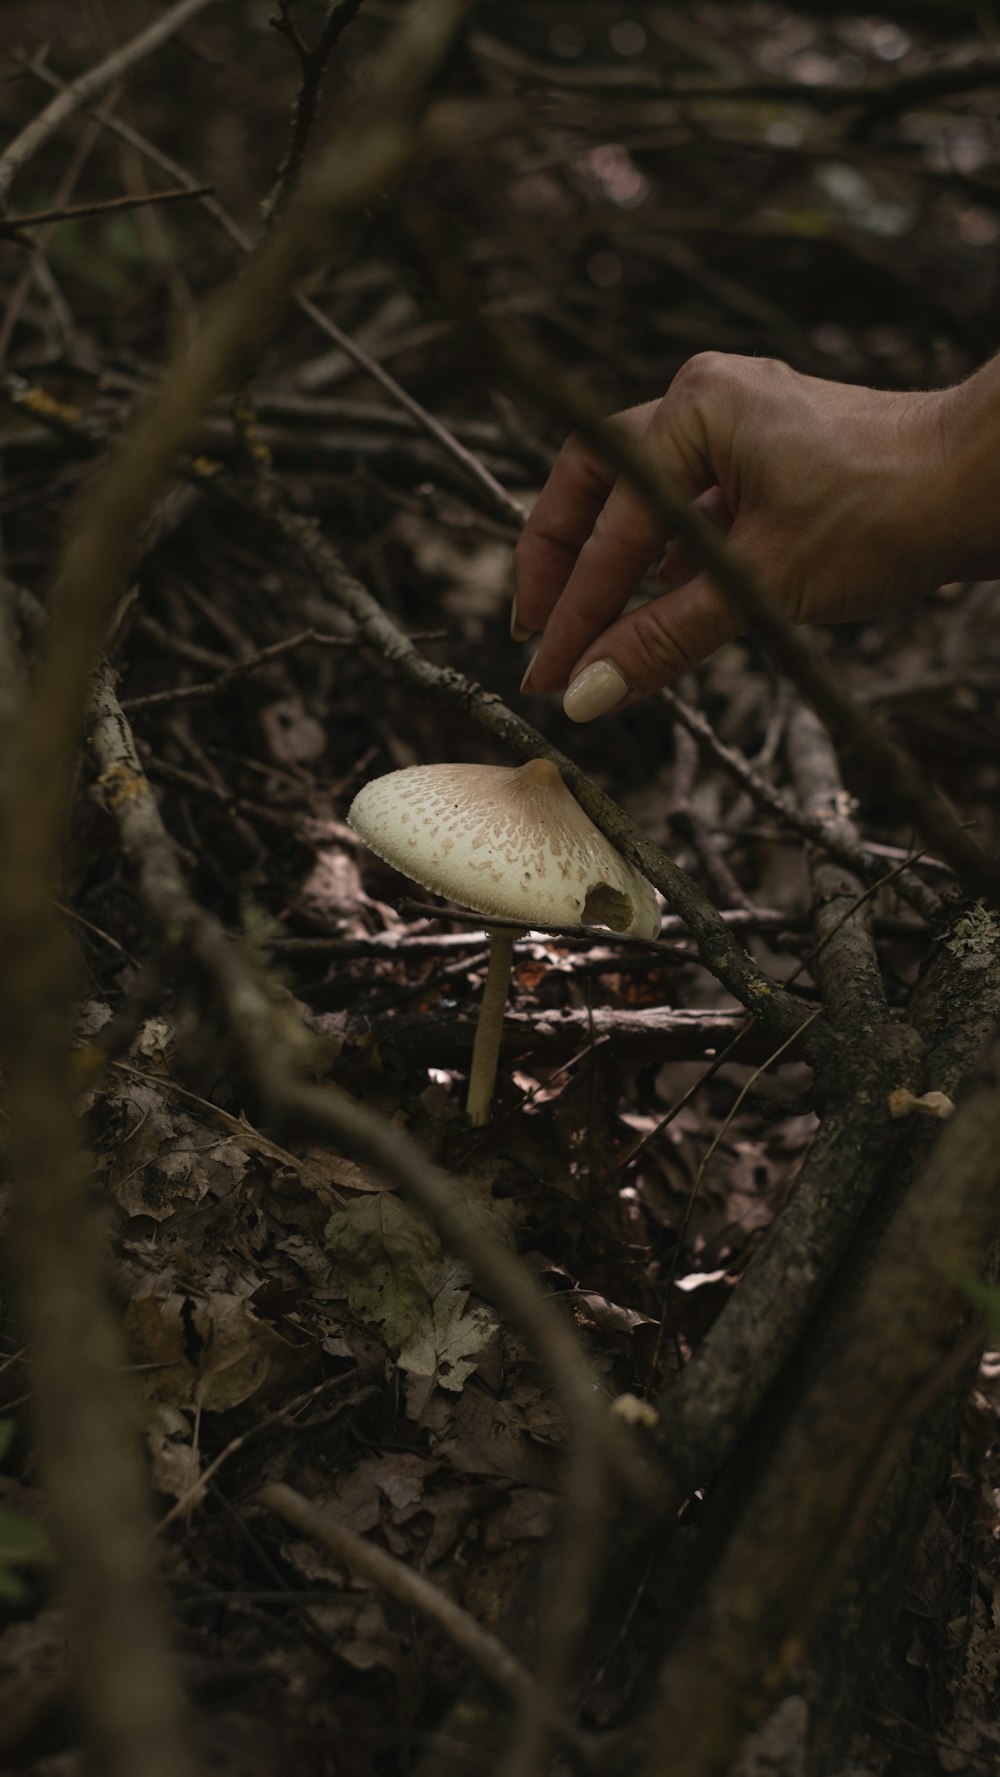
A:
(562, 519)
(626, 538)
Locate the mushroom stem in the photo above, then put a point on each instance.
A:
(486, 1048)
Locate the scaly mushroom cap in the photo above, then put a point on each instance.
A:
(509, 843)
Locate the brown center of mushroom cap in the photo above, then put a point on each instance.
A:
(512, 843)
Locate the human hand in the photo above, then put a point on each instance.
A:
(842, 501)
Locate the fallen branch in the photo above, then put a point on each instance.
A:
(800, 1533)
(496, 496)
(847, 965)
(821, 833)
(272, 1051)
(128, 1683)
(90, 86)
(649, 1033)
(501, 1669)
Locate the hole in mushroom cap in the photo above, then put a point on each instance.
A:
(607, 906)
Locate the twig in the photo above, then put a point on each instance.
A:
(127, 1680)
(35, 267)
(717, 949)
(699, 1177)
(798, 820)
(90, 86)
(738, 919)
(272, 1061)
(12, 226)
(689, 825)
(579, 934)
(128, 1690)
(888, 97)
(313, 62)
(501, 1669)
(283, 1415)
(805, 1522)
(886, 762)
(11, 664)
(497, 497)
(240, 670)
(659, 1033)
(720, 1389)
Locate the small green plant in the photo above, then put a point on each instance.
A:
(977, 931)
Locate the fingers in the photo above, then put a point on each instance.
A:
(626, 536)
(651, 647)
(562, 519)
(679, 562)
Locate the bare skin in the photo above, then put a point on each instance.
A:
(844, 502)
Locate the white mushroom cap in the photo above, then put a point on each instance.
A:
(508, 842)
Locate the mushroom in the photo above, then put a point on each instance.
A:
(904, 1103)
(508, 842)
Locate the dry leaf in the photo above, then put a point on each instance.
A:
(163, 1160)
(393, 1271)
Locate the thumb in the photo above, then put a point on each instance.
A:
(652, 647)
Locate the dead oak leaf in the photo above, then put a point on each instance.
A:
(164, 1161)
(209, 1351)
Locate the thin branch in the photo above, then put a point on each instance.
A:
(717, 948)
(90, 86)
(738, 919)
(36, 269)
(798, 820)
(501, 1669)
(313, 62)
(272, 1057)
(12, 227)
(128, 1683)
(283, 1415)
(805, 1523)
(207, 688)
(500, 500)
(691, 826)
(886, 762)
(883, 98)
(722, 1386)
(497, 498)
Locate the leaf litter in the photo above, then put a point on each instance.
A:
(250, 1275)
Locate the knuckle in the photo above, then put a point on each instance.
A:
(714, 370)
(609, 528)
(659, 653)
(773, 370)
(704, 369)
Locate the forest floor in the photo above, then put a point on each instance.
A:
(289, 1316)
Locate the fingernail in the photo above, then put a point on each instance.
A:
(526, 681)
(517, 632)
(595, 691)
